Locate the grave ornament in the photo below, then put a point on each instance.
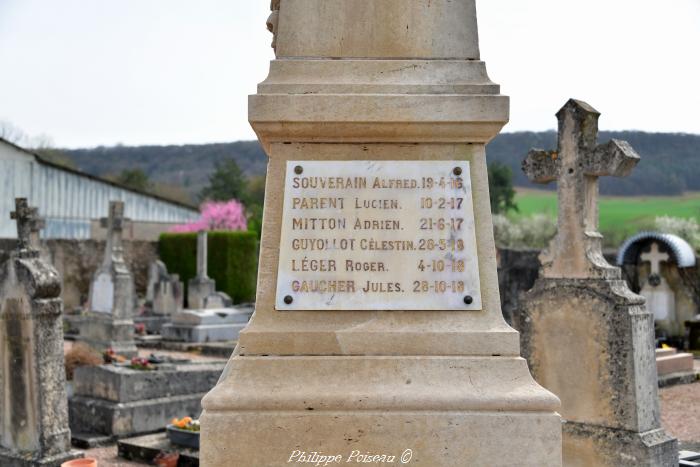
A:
(33, 402)
(109, 323)
(587, 337)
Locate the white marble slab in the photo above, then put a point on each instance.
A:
(378, 235)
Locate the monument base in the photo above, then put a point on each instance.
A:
(438, 411)
(12, 459)
(101, 333)
(590, 341)
(586, 445)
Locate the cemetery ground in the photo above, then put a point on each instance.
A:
(680, 412)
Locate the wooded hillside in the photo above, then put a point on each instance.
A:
(670, 162)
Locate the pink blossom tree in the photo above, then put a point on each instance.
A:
(217, 215)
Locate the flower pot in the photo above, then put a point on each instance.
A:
(86, 462)
(165, 459)
(185, 438)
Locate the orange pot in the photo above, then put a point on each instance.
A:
(87, 462)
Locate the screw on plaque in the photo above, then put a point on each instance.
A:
(457, 171)
(288, 299)
(298, 170)
(468, 300)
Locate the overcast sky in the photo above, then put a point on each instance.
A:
(102, 72)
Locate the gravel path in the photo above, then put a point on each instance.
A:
(680, 411)
(107, 457)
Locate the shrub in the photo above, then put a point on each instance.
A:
(232, 260)
(80, 355)
(687, 229)
(524, 232)
(227, 215)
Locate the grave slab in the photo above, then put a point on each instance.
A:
(119, 401)
(146, 448)
(211, 325)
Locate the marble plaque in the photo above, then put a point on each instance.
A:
(102, 294)
(378, 235)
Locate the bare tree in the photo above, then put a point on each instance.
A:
(11, 133)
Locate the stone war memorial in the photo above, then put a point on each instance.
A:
(110, 324)
(378, 329)
(587, 337)
(33, 404)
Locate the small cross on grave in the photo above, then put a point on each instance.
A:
(655, 257)
(576, 165)
(114, 251)
(25, 218)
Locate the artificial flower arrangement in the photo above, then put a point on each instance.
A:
(140, 363)
(186, 423)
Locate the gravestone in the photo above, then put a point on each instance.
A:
(377, 326)
(164, 297)
(110, 320)
(33, 411)
(587, 336)
(201, 290)
(660, 298)
(662, 268)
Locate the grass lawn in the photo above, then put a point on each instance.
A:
(619, 216)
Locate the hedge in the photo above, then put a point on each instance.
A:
(232, 261)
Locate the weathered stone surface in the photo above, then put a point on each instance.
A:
(165, 292)
(576, 250)
(207, 325)
(130, 418)
(33, 413)
(587, 337)
(119, 401)
(448, 384)
(109, 323)
(122, 384)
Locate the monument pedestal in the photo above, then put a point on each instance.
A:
(354, 350)
(441, 411)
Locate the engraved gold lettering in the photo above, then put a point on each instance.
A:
(376, 203)
(318, 223)
(377, 224)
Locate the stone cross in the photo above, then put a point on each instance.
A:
(655, 257)
(36, 225)
(576, 165)
(114, 250)
(26, 218)
(202, 255)
(33, 403)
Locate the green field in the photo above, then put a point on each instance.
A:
(619, 216)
